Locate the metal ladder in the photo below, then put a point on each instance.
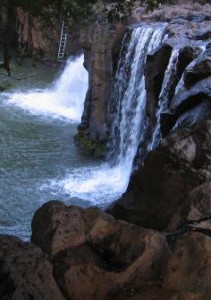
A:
(63, 40)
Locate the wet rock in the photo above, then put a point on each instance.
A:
(200, 202)
(25, 273)
(155, 68)
(56, 227)
(203, 226)
(199, 95)
(189, 267)
(101, 48)
(158, 191)
(192, 116)
(198, 70)
(105, 259)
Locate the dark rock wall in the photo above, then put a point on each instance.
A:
(101, 44)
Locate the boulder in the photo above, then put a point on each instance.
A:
(57, 227)
(25, 273)
(186, 101)
(189, 267)
(158, 191)
(91, 250)
(157, 293)
(199, 69)
(200, 202)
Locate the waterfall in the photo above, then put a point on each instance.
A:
(164, 96)
(63, 99)
(106, 182)
(128, 127)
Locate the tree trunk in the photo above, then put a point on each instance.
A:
(7, 33)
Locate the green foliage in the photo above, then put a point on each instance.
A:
(48, 10)
(96, 149)
(5, 86)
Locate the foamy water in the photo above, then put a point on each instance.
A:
(99, 185)
(65, 98)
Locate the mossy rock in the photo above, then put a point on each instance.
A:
(95, 148)
(5, 86)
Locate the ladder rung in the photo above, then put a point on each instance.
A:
(63, 39)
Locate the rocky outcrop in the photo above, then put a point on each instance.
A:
(90, 249)
(158, 195)
(188, 31)
(33, 39)
(87, 254)
(200, 202)
(101, 44)
(189, 267)
(42, 41)
(25, 273)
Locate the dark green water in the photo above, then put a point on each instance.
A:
(39, 160)
(36, 146)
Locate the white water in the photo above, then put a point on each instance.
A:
(104, 183)
(100, 183)
(164, 96)
(65, 98)
(128, 127)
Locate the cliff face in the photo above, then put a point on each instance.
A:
(40, 41)
(185, 25)
(100, 48)
(178, 87)
(33, 39)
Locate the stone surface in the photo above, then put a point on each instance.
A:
(189, 267)
(157, 194)
(155, 68)
(90, 249)
(33, 40)
(200, 202)
(56, 227)
(157, 293)
(199, 69)
(100, 43)
(25, 273)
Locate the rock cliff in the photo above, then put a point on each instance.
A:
(101, 44)
(187, 27)
(33, 39)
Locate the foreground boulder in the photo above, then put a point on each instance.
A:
(189, 267)
(87, 254)
(25, 273)
(158, 195)
(91, 250)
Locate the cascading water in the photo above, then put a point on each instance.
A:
(39, 160)
(108, 181)
(164, 96)
(130, 92)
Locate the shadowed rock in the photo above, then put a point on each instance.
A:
(97, 253)
(157, 194)
(25, 273)
(189, 267)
